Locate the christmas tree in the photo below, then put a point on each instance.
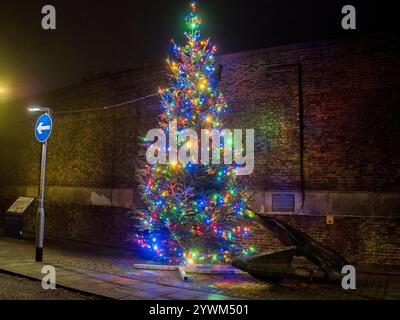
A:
(196, 213)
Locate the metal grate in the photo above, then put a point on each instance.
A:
(283, 202)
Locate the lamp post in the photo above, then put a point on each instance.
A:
(42, 133)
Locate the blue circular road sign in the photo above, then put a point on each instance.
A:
(43, 127)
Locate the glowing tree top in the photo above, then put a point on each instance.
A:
(196, 213)
(193, 99)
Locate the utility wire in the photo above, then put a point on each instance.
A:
(106, 107)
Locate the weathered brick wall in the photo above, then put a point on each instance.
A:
(345, 92)
(362, 241)
(351, 93)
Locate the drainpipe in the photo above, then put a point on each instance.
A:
(301, 131)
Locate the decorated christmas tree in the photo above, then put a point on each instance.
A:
(196, 213)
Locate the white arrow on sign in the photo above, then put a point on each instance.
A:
(42, 128)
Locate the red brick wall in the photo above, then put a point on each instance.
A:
(350, 97)
(362, 241)
(349, 91)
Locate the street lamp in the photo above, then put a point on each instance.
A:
(39, 109)
(39, 128)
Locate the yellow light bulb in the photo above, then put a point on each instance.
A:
(203, 84)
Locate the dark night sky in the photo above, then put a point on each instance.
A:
(94, 36)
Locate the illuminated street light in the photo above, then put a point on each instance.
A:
(39, 109)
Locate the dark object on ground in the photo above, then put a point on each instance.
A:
(277, 265)
(13, 225)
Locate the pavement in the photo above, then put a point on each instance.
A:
(109, 274)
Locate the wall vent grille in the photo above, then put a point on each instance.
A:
(283, 202)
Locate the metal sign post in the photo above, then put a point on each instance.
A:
(43, 130)
(40, 212)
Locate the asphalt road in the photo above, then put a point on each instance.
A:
(16, 288)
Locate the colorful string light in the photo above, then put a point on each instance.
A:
(197, 214)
